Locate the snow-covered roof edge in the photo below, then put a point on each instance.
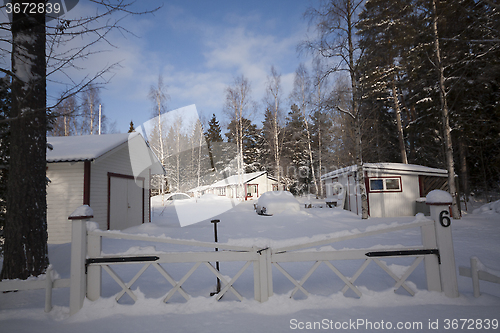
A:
(84, 147)
(233, 180)
(387, 167)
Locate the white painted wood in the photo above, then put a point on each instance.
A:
(475, 276)
(263, 275)
(77, 269)
(394, 276)
(64, 195)
(343, 278)
(171, 280)
(48, 284)
(116, 161)
(94, 273)
(444, 239)
(118, 235)
(128, 285)
(353, 236)
(431, 263)
(356, 275)
(118, 203)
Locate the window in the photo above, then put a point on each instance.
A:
(252, 190)
(222, 191)
(385, 185)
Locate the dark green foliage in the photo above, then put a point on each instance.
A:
(397, 42)
(5, 103)
(251, 142)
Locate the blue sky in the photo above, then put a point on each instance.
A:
(199, 47)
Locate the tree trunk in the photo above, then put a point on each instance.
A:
(445, 117)
(399, 123)
(25, 248)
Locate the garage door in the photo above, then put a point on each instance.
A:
(126, 202)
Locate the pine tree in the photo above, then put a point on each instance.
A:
(25, 248)
(5, 103)
(213, 137)
(250, 140)
(295, 152)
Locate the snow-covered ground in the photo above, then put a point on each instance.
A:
(379, 309)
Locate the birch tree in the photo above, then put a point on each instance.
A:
(335, 22)
(450, 165)
(301, 95)
(159, 96)
(238, 106)
(275, 119)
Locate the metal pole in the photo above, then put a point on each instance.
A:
(216, 249)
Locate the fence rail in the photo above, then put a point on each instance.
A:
(436, 252)
(478, 271)
(47, 283)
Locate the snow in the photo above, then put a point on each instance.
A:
(83, 147)
(82, 211)
(490, 208)
(275, 202)
(438, 197)
(234, 180)
(474, 235)
(387, 167)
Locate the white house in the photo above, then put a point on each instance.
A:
(110, 173)
(254, 184)
(393, 189)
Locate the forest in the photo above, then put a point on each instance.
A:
(409, 81)
(374, 92)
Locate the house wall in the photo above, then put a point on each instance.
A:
(64, 195)
(264, 185)
(117, 162)
(391, 204)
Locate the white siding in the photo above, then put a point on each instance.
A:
(117, 161)
(264, 184)
(64, 195)
(392, 204)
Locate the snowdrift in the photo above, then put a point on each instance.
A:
(275, 202)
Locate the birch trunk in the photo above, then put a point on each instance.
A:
(445, 117)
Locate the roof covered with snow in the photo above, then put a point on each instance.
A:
(235, 180)
(387, 167)
(83, 147)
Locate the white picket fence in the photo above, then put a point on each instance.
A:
(46, 282)
(87, 261)
(478, 271)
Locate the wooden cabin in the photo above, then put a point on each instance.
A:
(393, 189)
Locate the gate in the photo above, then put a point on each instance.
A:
(436, 252)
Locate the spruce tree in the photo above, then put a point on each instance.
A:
(295, 152)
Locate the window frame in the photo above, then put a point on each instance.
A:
(384, 184)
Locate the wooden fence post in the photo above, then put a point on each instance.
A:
(475, 276)
(431, 263)
(439, 202)
(263, 279)
(78, 281)
(94, 273)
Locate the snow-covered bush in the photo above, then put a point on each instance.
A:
(276, 202)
